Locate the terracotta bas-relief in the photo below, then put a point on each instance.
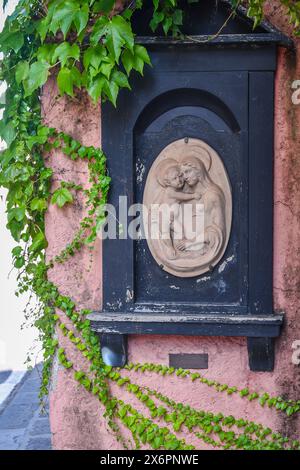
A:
(188, 204)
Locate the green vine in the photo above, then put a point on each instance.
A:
(89, 46)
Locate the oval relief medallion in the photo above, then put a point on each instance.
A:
(189, 208)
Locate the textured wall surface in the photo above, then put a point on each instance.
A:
(76, 417)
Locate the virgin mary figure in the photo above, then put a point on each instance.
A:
(212, 239)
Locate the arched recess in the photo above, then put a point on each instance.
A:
(181, 98)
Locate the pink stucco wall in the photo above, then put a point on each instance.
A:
(76, 417)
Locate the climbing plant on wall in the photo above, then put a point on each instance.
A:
(89, 46)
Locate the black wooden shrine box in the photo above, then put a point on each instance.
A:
(220, 91)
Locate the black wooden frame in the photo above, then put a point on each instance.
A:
(259, 323)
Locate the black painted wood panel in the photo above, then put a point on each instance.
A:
(224, 96)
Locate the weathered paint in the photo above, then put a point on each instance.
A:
(76, 417)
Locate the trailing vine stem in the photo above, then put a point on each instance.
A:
(90, 47)
(182, 415)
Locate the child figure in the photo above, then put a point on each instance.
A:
(170, 177)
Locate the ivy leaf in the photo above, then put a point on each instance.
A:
(124, 28)
(111, 90)
(141, 52)
(67, 79)
(78, 375)
(5, 157)
(46, 173)
(38, 204)
(157, 18)
(106, 67)
(22, 70)
(136, 60)
(81, 18)
(16, 213)
(45, 53)
(167, 24)
(15, 229)
(37, 76)
(104, 6)
(119, 34)
(61, 197)
(95, 89)
(100, 29)
(40, 138)
(19, 262)
(11, 40)
(7, 132)
(65, 82)
(120, 79)
(93, 56)
(42, 27)
(63, 16)
(65, 51)
(38, 243)
(16, 251)
(127, 61)
(158, 442)
(17, 171)
(122, 412)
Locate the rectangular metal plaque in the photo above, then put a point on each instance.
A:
(188, 361)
